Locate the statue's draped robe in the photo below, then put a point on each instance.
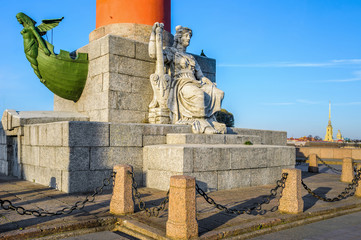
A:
(190, 101)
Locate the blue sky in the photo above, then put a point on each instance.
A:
(279, 61)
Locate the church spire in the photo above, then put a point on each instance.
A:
(329, 130)
(329, 113)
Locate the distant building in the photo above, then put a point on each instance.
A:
(329, 129)
(339, 135)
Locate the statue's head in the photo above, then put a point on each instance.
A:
(182, 36)
(25, 19)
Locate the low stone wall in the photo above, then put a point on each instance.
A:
(329, 153)
(77, 156)
(216, 167)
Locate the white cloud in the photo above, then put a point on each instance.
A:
(278, 104)
(354, 79)
(307, 101)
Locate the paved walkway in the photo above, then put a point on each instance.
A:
(213, 224)
(338, 228)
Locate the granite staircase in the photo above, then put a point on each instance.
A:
(217, 161)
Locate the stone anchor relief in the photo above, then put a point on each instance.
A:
(182, 94)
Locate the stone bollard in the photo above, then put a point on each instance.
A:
(122, 199)
(182, 223)
(291, 200)
(358, 188)
(312, 164)
(347, 170)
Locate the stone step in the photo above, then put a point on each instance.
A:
(189, 138)
(216, 166)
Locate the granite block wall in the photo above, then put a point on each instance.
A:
(77, 156)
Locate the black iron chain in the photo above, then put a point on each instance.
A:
(7, 204)
(335, 170)
(346, 193)
(153, 211)
(257, 207)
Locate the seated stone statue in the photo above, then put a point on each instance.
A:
(191, 97)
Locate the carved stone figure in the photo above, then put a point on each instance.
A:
(191, 97)
(62, 74)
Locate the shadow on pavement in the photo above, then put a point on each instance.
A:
(309, 201)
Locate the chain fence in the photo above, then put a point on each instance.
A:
(257, 208)
(333, 169)
(8, 205)
(153, 211)
(346, 193)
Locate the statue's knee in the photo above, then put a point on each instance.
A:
(219, 93)
(191, 91)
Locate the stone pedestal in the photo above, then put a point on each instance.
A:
(182, 223)
(347, 170)
(312, 165)
(291, 200)
(122, 198)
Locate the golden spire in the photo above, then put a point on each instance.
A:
(329, 130)
(329, 113)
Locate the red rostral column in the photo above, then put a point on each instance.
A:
(133, 11)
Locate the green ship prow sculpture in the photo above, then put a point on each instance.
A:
(63, 74)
